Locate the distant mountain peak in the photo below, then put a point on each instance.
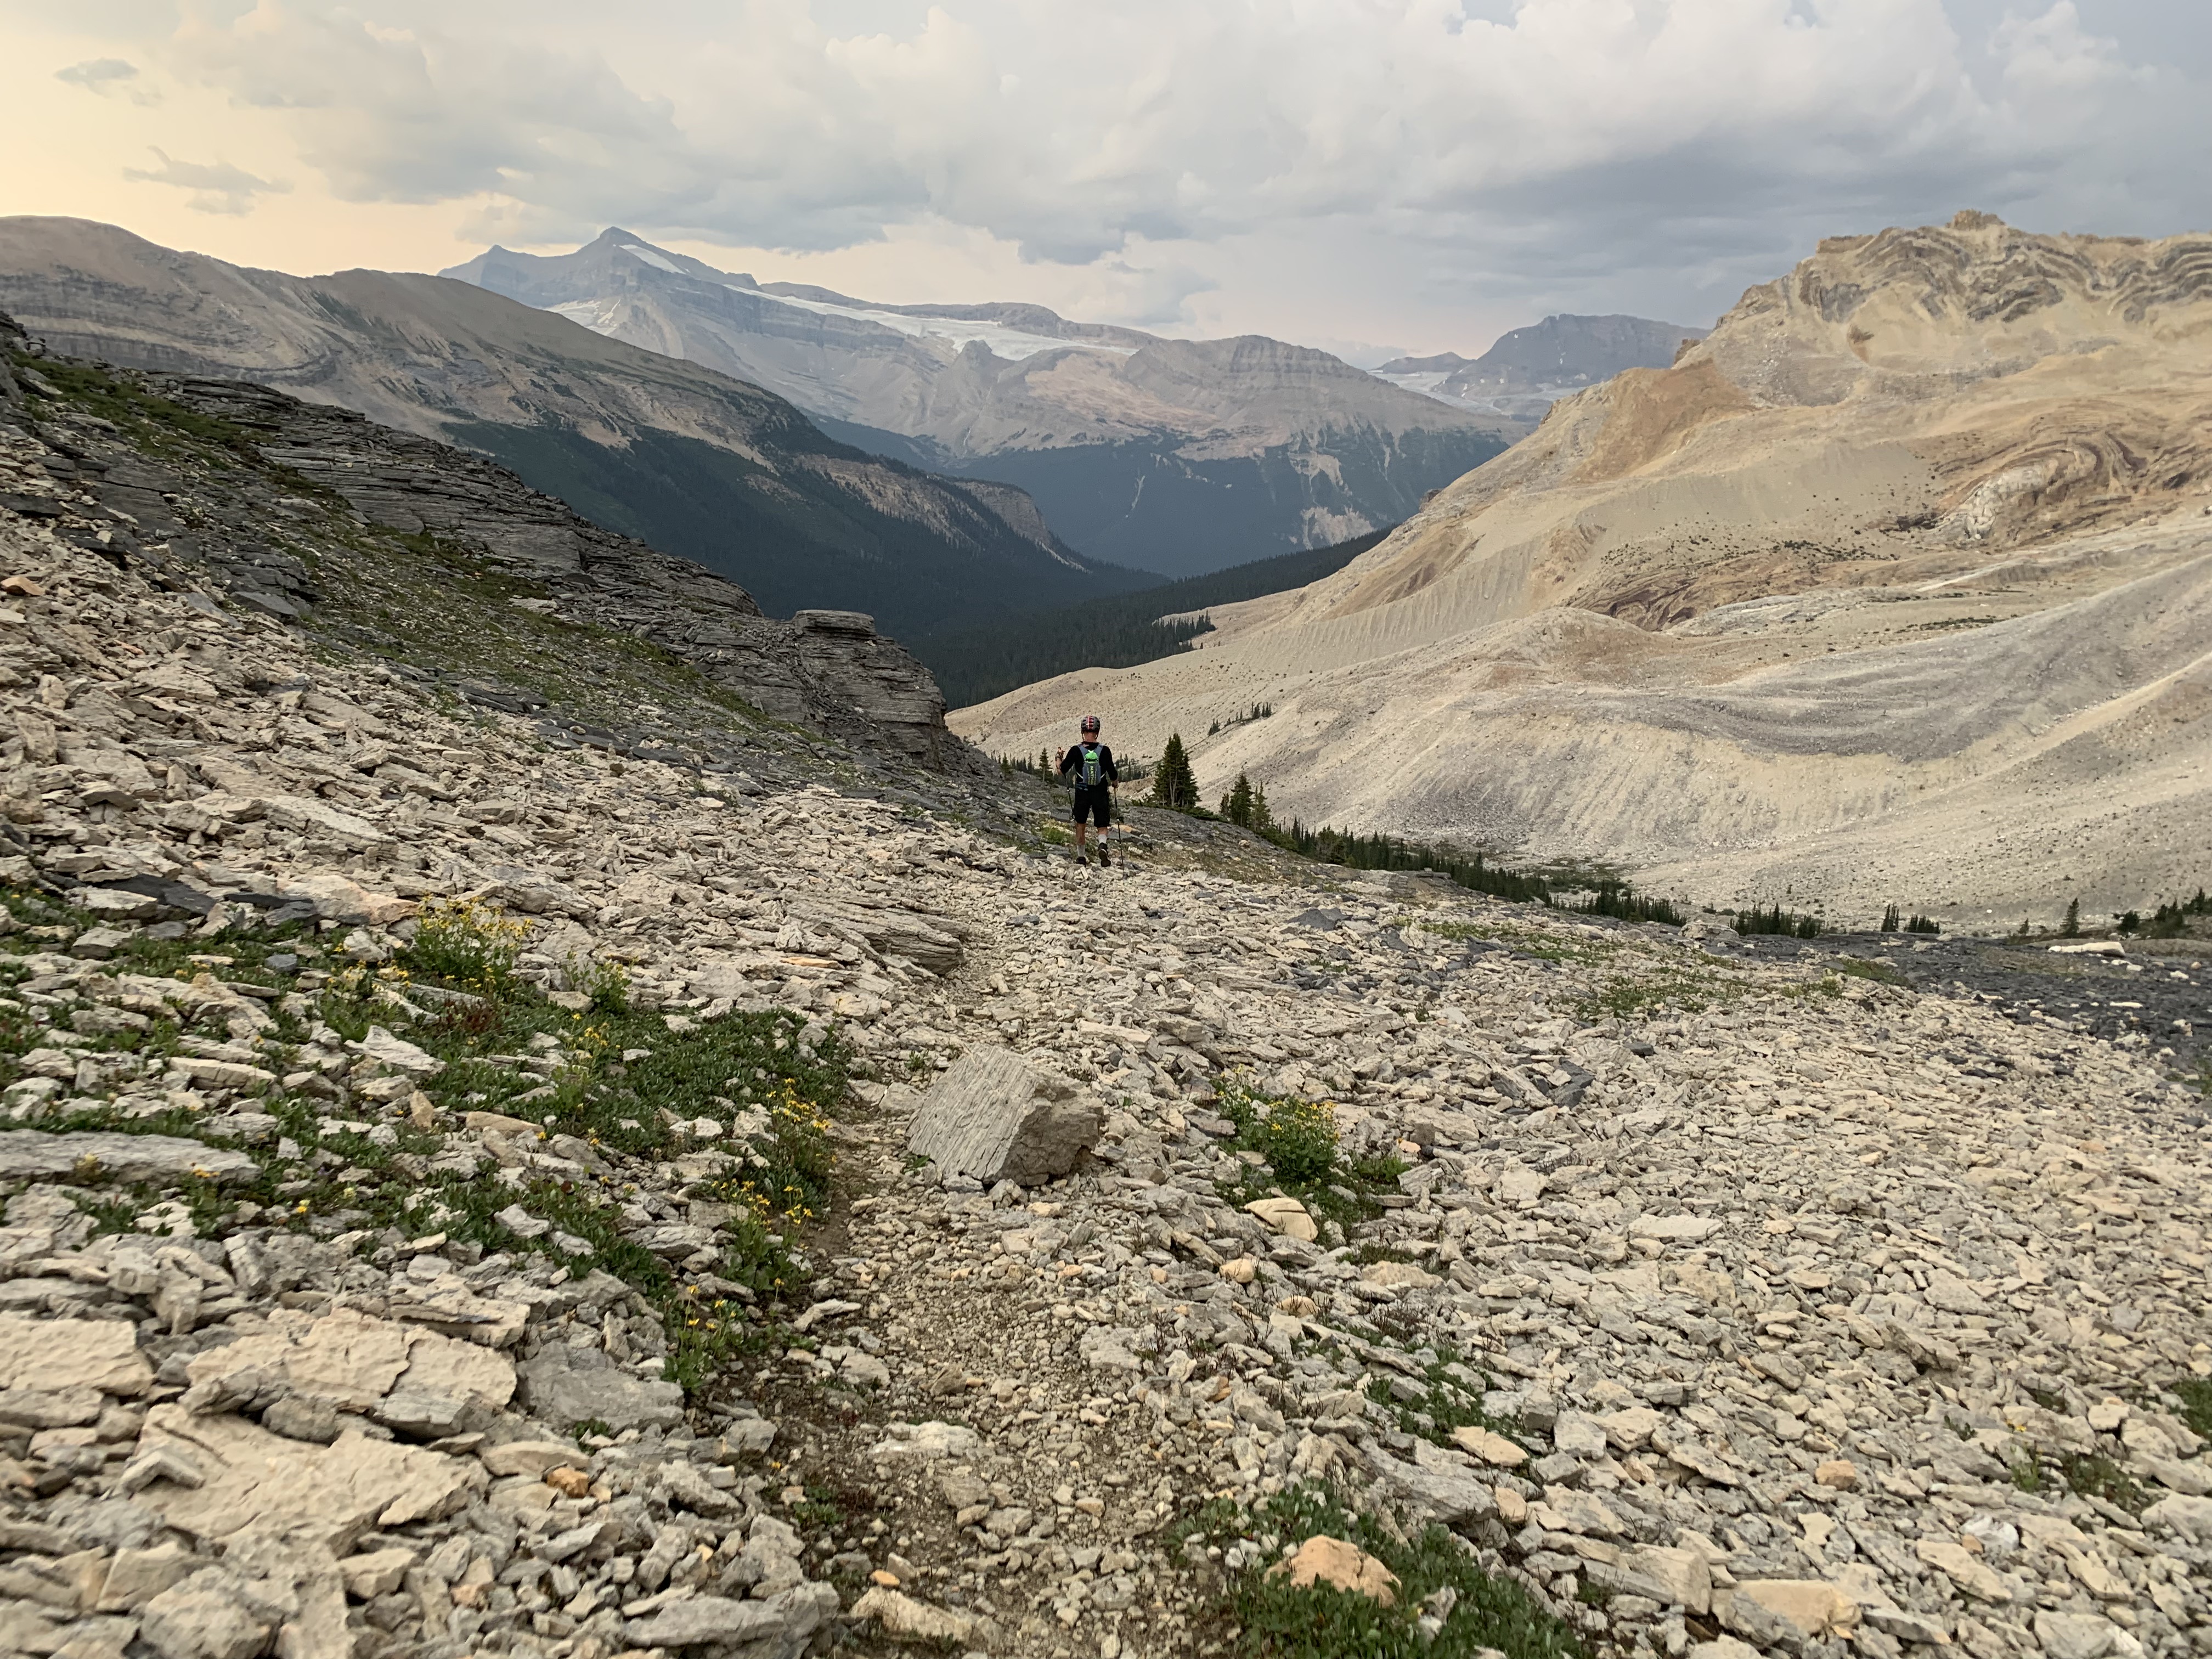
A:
(1442, 363)
(1176, 455)
(653, 445)
(1527, 368)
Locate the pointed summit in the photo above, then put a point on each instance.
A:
(1272, 447)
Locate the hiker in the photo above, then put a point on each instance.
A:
(1089, 767)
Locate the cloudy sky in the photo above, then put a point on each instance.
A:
(1353, 173)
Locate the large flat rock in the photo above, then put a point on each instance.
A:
(566, 1385)
(360, 1363)
(253, 1480)
(995, 1117)
(52, 1354)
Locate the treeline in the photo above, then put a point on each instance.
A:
(974, 664)
(2168, 920)
(1246, 806)
(1792, 924)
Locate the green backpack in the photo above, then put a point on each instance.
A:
(1091, 771)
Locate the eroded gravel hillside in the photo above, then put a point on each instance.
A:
(458, 1202)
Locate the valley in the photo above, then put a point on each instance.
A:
(550, 1115)
(1896, 588)
(702, 466)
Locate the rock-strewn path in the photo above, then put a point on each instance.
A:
(1715, 1300)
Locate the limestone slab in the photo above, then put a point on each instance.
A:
(995, 1117)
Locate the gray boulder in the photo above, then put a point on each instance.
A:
(995, 1117)
(780, 1627)
(1450, 1492)
(564, 1386)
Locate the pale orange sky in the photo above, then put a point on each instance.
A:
(70, 152)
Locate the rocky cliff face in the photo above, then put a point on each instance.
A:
(1879, 584)
(713, 469)
(250, 533)
(1173, 455)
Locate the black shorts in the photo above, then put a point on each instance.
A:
(1097, 805)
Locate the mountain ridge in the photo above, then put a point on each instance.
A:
(1527, 369)
(1173, 455)
(700, 464)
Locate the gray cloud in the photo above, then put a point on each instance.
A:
(1655, 158)
(216, 187)
(97, 74)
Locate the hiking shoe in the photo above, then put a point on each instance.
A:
(1102, 859)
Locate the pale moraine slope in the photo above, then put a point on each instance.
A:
(1900, 586)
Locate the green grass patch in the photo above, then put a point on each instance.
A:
(614, 1078)
(1688, 991)
(1695, 991)
(2196, 1395)
(152, 421)
(2100, 1477)
(1528, 941)
(1277, 1622)
(1451, 1398)
(1296, 1140)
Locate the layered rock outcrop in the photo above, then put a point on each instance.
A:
(828, 670)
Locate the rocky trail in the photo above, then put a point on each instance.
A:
(591, 1167)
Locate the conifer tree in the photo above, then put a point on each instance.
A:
(1174, 784)
(1237, 804)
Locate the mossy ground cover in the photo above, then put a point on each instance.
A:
(1544, 945)
(2195, 1396)
(1642, 991)
(617, 1078)
(1447, 1395)
(153, 423)
(1301, 1156)
(1266, 1618)
(1881, 972)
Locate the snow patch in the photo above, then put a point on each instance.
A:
(596, 315)
(1011, 344)
(657, 261)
